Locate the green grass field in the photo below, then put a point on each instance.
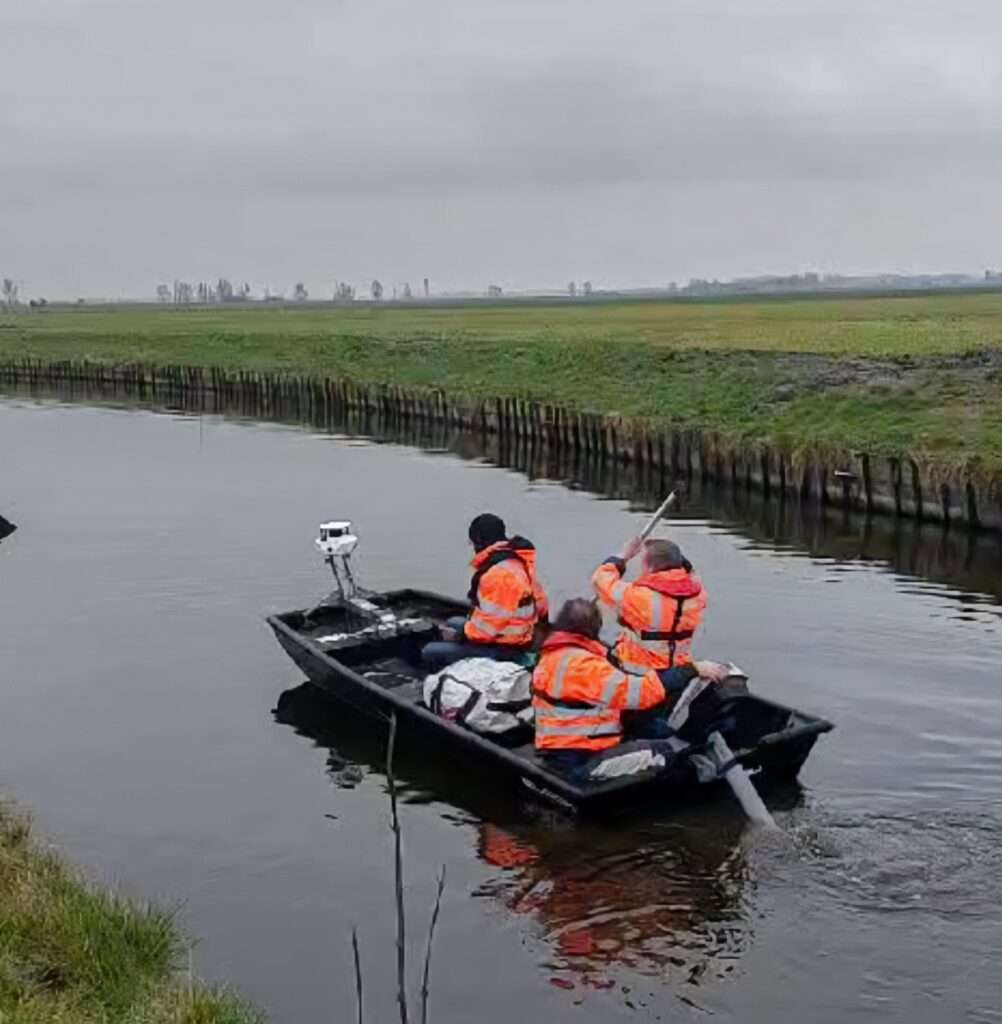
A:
(917, 374)
(73, 954)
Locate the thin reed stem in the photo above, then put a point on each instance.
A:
(358, 975)
(398, 872)
(431, 939)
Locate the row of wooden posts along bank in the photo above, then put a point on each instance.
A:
(901, 486)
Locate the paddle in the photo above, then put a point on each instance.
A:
(742, 787)
(635, 544)
(718, 753)
(657, 517)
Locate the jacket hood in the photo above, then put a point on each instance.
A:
(519, 546)
(563, 638)
(671, 583)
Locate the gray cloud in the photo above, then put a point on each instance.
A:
(524, 142)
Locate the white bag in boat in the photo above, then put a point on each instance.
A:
(631, 763)
(485, 695)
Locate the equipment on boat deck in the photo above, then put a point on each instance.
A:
(337, 543)
(363, 619)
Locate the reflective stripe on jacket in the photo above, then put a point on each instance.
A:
(659, 614)
(506, 596)
(578, 695)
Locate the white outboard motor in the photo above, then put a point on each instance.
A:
(337, 543)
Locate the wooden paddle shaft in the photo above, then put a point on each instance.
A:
(656, 518)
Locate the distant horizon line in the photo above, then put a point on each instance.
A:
(750, 284)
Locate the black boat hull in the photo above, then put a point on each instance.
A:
(773, 741)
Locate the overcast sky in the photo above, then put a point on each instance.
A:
(521, 142)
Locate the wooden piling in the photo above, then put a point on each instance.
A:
(551, 439)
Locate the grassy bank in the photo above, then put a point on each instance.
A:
(921, 375)
(72, 954)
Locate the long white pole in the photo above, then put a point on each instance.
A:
(742, 787)
(656, 518)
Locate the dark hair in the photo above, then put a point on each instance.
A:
(665, 554)
(487, 529)
(579, 615)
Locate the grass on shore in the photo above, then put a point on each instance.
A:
(919, 375)
(73, 954)
(929, 324)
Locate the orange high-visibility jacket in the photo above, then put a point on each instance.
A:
(659, 614)
(507, 598)
(579, 695)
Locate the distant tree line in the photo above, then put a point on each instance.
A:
(8, 292)
(401, 291)
(183, 293)
(10, 296)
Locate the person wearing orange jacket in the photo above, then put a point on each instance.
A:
(507, 601)
(580, 695)
(659, 612)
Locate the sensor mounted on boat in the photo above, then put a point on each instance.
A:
(336, 539)
(337, 544)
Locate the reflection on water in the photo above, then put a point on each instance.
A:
(664, 902)
(663, 898)
(968, 563)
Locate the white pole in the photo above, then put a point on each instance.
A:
(742, 786)
(656, 518)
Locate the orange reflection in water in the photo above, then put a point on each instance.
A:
(668, 901)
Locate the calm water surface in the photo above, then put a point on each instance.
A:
(163, 739)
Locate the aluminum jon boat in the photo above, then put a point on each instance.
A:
(363, 648)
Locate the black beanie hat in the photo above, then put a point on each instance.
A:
(487, 529)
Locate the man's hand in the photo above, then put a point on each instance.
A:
(712, 670)
(449, 634)
(631, 548)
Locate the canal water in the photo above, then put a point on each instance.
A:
(164, 741)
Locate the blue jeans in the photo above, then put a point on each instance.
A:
(648, 725)
(440, 654)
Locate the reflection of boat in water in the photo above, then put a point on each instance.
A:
(661, 898)
(668, 903)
